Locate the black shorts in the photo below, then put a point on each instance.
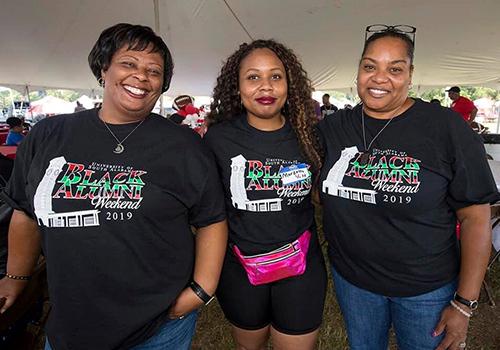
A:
(293, 305)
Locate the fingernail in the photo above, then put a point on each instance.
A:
(433, 334)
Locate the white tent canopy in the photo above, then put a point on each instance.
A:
(44, 44)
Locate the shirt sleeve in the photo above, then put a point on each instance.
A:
(470, 106)
(209, 208)
(472, 181)
(14, 193)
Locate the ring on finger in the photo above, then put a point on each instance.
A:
(462, 345)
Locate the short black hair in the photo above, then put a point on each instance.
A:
(14, 121)
(134, 37)
(435, 100)
(326, 95)
(390, 33)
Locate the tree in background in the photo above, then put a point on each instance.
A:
(471, 92)
(67, 95)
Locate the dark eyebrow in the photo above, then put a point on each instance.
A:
(136, 59)
(392, 62)
(258, 70)
(128, 56)
(249, 69)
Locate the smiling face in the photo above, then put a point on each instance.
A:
(384, 76)
(133, 84)
(263, 86)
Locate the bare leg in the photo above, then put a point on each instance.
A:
(251, 340)
(283, 341)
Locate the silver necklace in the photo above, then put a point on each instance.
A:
(119, 146)
(365, 156)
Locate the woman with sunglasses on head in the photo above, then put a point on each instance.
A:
(398, 173)
(262, 132)
(110, 195)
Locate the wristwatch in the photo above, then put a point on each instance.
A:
(200, 292)
(471, 304)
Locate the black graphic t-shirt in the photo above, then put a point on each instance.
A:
(267, 184)
(391, 223)
(327, 110)
(115, 228)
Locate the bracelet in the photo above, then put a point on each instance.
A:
(19, 278)
(200, 292)
(462, 311)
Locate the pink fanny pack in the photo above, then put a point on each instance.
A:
(286, 261)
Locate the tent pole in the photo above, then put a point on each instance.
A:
(157, 30)
(498, 117)
(29, 101)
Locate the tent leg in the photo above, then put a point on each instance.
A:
(29, 101)
(498, 119)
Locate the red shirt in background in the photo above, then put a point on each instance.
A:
(463, 106)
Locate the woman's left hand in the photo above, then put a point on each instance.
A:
(455, 325)
(186, 302)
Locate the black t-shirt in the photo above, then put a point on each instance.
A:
(263, 213)
(115, 228)
(327, 110)
(391, 223)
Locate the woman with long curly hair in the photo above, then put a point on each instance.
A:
(262, 132)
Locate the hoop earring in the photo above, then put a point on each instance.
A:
(101, 82)
(356, 81)
(410, 86)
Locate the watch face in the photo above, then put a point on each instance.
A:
(473, 305)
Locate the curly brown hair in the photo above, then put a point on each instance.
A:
(299, 107)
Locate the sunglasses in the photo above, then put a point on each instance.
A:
(400, 28)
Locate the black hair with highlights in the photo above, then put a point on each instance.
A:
(299, 108)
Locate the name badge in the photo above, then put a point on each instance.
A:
(294, 173)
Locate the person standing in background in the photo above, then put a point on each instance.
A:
(462, 105)
(327, 107)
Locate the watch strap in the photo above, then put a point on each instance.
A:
(471, 304)
(200, 292)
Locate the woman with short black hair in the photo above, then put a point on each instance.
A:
(112, 194)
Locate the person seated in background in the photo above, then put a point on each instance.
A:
(15, 131)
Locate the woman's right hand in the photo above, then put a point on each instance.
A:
(9, 291)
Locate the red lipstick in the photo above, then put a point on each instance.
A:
(266, 100)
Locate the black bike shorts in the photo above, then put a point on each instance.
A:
(292, 306)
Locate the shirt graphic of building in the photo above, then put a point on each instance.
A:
(332, 185)
(239, 196)
(43, 202)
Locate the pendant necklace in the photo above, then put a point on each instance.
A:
(365, 156)
(119, 146)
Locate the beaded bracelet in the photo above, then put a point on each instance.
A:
(462, 311)
(19, 278)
